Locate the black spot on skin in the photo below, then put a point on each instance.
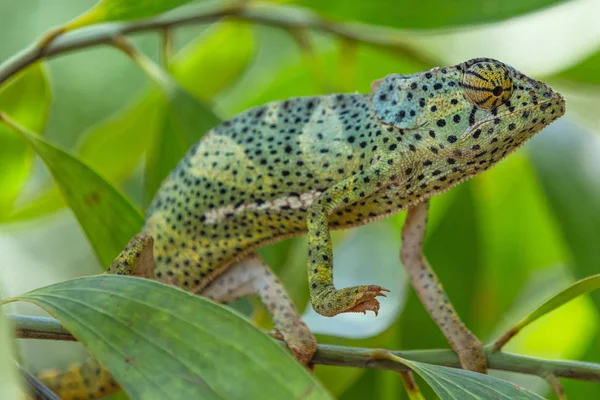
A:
(452, 139)
(441, 123)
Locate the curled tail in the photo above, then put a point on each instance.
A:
(87, 380)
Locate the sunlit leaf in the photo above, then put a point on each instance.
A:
(105, 214)
(586, 71)
(146, 332)
(565, 159)
(575, 290)
(116, 10)
(187, 119)
(115, 147)
(424, 15)
(215, 59)
(511, 252)
(453, 384)
(26, 98)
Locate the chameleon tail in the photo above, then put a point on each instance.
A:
(87, 380)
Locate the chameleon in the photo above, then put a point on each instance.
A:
(309, 165)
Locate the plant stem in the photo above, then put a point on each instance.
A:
(49, 328)
(280, 17)
(36, 387)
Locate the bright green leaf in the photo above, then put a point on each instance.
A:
(26, 98)
(424, 14)
(585, 71)
(105, 214)
(575, 290)
(187, 120)
(146, 332)
(117, 10)
(565, 160)
(115, 147)
(453, 384)
(215, 59)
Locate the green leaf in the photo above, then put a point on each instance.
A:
(187, 119)
(215, 59)
(453, 383)
(511, 252)
(26, 98)
(575, 290)
(424, 14)
(565, 160)
(585, 71)
(117, 10)
(116, 146)
(105, 214)
(160, 342)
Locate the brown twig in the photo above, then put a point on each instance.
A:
(280, 17)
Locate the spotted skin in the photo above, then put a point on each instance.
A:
(312, 164)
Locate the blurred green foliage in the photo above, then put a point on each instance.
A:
(501, 242)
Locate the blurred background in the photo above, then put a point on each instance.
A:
(501, 243)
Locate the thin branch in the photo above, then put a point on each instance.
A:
(49, 328)
(280, 17)
(166, 48)
(556, 386)
(36, 387)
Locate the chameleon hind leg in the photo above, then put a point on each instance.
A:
(429, 289)
(252, 276)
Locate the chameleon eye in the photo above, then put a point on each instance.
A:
(487, 84)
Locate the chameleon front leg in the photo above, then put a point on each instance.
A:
(325, 298)
(432, 295)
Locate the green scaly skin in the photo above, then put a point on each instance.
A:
(311, 164)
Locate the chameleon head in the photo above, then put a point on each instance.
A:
(467, 117)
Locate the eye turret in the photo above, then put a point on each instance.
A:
(487, 84)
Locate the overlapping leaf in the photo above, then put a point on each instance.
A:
(424, 15)
(163, 343)
(26, 98)
(105, 214)
(115, 10)
(453, 384)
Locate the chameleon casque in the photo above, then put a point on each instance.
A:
(311, 164)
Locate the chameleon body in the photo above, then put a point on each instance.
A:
(312, 164)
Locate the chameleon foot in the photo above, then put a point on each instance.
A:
(353, 299)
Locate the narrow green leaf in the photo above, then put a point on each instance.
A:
(160, 342)
(115, 147)
(118, 10)
(565, 160)
(453, 383)
(26, 98)
(575, 290)
(586, 71)
(424, 15)
(187, 120)
(105, 214)
(215, 59)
